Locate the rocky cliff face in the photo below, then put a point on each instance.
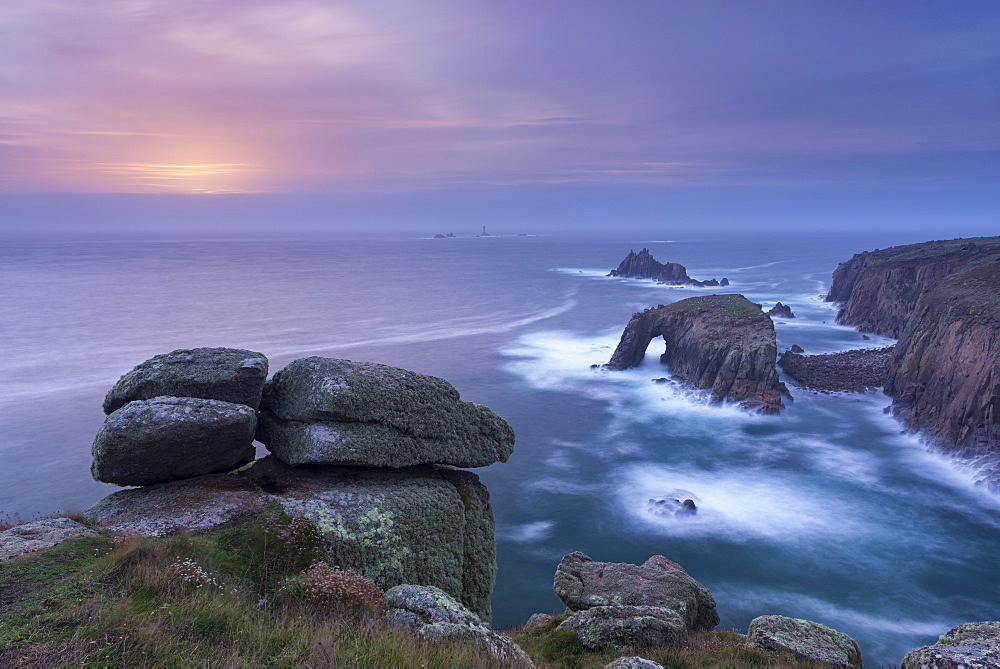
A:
(942, 299)
(720, 342)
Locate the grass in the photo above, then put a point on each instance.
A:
(243, 596)
(730, 306)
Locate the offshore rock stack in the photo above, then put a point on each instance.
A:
(367, 452)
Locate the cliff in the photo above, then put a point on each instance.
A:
(720, 342)
(643, 265)
(942, 299)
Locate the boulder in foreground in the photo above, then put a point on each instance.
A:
(225, 374)
(626, 627)
(169, 438)
(962, 647)
(39, 534)
(808, 640)
(331, 411)
(581, 583)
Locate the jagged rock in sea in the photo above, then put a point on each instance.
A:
(169, 438)
(435, 615)
(720, 342)
(782, 310)
(331, 411)
(806, 639)
(942, 300)
(225, 374)
(627, 627)
(962, 647)
(582, 584)
(38, 534)
(642, 265)
(796, 349)
(855, 370)
(426, 525)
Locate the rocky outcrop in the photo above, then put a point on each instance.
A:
(781, 310)
(963, 647)
(633, 662)
(627, 627)
(332, 411)
(806, 639)
(642, 265)
(434, 615)
(169, 438)
(224, 374)
(855, 370)
(942, 300)
(582, 584)
(39, 534)
(724, 343)
(431, 526)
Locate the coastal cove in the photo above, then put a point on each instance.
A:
(825, 512)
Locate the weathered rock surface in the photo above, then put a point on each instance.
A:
(426, 525)
(720, 342)
(855, 370)
(331, 411)
(169, 438)
(627, 627)
(581, 583)
(942, 299)
(782, 310)
(806, 639)
(633, 662)
(642, 265)
(433, 614)
(968, 646)
(225, 374)
(39, 534)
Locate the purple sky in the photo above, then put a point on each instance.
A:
(400, 96)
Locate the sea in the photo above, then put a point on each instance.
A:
(827, 511)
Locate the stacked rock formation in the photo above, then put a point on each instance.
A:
(186, 413)
(378, 447)
(632, 606)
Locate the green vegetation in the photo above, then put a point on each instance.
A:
(731, 306)
(253, 594)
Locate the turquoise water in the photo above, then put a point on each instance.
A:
(825, 512)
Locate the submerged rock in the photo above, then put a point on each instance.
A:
(169, 438)
(581, 583)
(331, 411)
(626, 627)
(225, 374)
(963, 647)
(432, 526)
(806, 639)
(435, 615)
(724, 343)
(39, 534)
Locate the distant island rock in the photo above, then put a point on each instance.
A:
(720, 342)
(942, 300)
(447, 236)
(642, 265)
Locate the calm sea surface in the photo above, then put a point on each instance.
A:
(825, 512)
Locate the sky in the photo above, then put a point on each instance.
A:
(555, 111)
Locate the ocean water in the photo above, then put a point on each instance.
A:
(826, 512)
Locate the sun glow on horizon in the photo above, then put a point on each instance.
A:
(180, 177)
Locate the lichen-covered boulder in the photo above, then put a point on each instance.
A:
(225, 374)
(626, 627)
(39, 534)
(169, 438)
(435, 615)
(967, 646)
(331, 411)
(806, 639)
(428, 525)
(633, 663)
(581, 583)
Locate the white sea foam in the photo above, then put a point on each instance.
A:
(528, 532)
